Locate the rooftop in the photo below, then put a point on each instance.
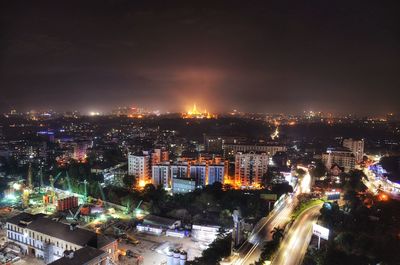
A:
(81, 257)
(157, 220)
(46, 226)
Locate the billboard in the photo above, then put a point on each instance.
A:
(320, 231)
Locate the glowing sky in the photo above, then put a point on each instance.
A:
(250, 55)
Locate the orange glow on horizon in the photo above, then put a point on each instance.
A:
(195, 113)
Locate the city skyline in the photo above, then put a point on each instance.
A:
(263, 57)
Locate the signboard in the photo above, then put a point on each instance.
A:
(269, 197)
(333, 196)
(320, 231)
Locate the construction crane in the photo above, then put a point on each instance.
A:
(103, 197)
(72, 216)
(138, 211)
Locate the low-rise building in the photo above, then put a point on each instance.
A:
(181, 185)
(270, 150)
(46, 239)
(84, 256)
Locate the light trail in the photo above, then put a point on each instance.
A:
(250, 250)
(294, 246)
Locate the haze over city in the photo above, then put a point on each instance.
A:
(260, 57)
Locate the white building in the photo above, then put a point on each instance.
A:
(183, 185)
(249, 168)
(355, 146)
(198, 172)
(216, 173)
(161, 175)
(43, 238)
(138, 166)
(179, 170)
(342, 157)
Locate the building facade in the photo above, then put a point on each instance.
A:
(180, 170)
(198, 172)
(216, 173)
(161, 175)
(46, 239)
(270, 150)
(249, 168)
(138, 166)
(183, 185)
(342, 157)
(356, 147)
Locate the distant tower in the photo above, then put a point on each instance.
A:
(29, 180)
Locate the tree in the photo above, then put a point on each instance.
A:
(345, 241)
(277, 234)
(268, 250)
(129, 181)
(300, 172)
(225, 218)
(218, 249)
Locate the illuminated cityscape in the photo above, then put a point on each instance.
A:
(199, 133)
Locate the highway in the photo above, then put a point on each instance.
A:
(294, 245)
(250, 251)
(376, 185)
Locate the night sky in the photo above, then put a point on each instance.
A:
(269, 56)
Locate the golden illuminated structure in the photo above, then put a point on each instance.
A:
(194, 113)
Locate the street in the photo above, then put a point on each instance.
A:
(250, 251)
(295, 243)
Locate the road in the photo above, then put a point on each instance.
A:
(376, 185)
(294, 245)
(250, 251)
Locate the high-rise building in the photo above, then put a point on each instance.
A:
(164, 156)
(342, 157)
(198, 172)
(216, 173)
(159, 155)
(161, 175)
(138, 166)
(249, 168)
(179, 170)
(356, 147)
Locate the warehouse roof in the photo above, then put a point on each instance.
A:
(81, 257)
(44, 225)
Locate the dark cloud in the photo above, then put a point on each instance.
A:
(277, 56)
